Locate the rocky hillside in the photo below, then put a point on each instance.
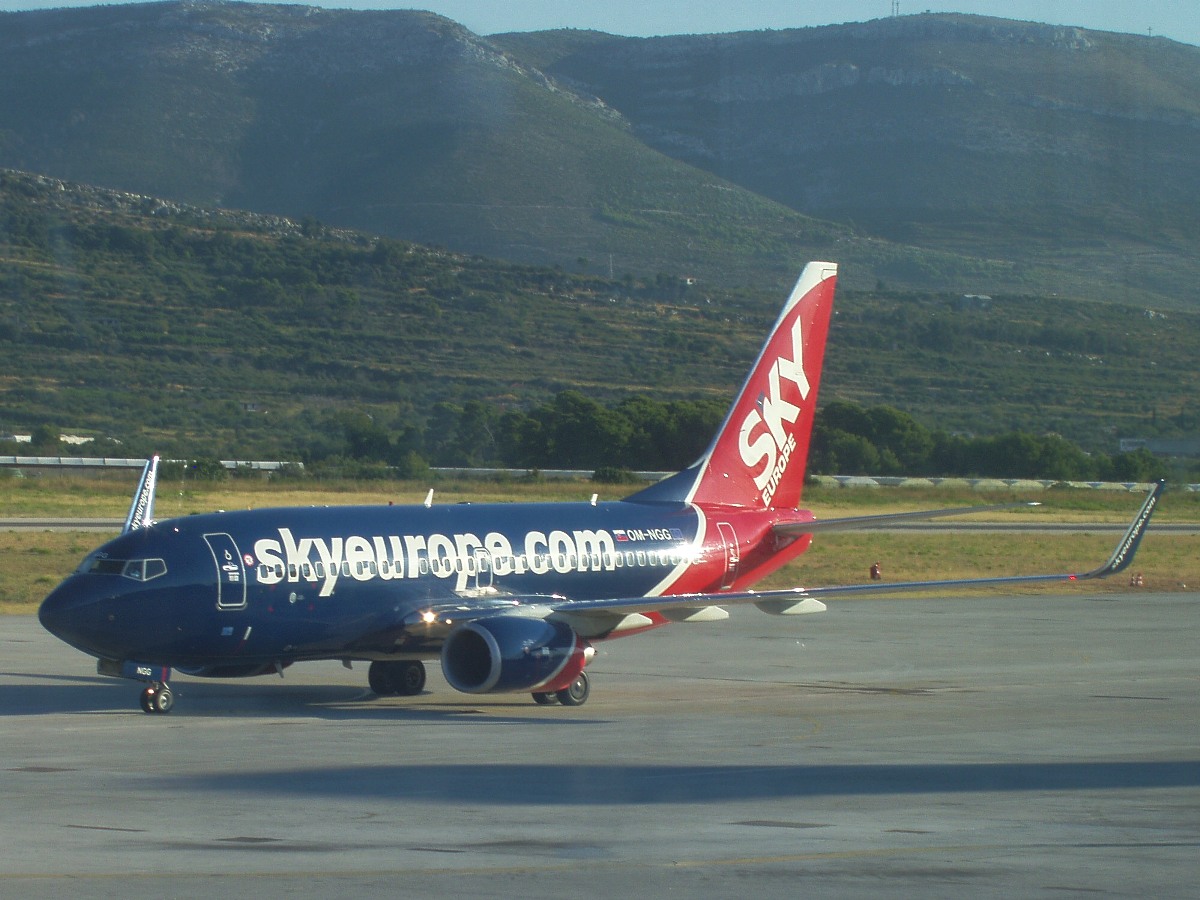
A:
(935, 152)
(976, 135)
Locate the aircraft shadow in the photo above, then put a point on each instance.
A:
(67, 694)
(592, 785)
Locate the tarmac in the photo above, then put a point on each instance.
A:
(991, 746)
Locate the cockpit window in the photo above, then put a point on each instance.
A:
(99, 566)
(135, 569)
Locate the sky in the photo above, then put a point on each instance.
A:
(1175, 19)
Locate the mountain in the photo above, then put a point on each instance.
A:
(401, 123)
(978, 136)
(190, 330)
(935, 151)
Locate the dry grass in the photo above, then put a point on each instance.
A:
(1168, 562)
(31, 563)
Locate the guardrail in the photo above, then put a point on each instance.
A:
(119, 462)
(846, 481)
(983, 484)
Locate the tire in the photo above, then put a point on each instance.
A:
(576, 693)
(163, 701)
(379, 677)
(545, 698)
(409, 677)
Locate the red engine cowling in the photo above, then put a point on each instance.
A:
(511, 653)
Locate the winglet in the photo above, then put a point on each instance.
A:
(141, 511)
(1123, 555)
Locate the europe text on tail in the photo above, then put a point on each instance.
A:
(508, 597)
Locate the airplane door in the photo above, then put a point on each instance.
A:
(483, 569)
(733, 556)
(231, 573)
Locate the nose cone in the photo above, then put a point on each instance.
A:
(55, 610)
(74, 612)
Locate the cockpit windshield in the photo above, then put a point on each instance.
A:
(135, 569)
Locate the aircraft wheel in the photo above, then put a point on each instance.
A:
(147, 700)
(163, 700)
(545, 698)
(381, 678)
(409, 680)
(577, 693)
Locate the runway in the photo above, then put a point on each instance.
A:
(997, 746)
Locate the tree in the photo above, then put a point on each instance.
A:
(46, 437)
(365, 440)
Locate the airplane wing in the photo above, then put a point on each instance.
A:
(602, 617)
(884, 520)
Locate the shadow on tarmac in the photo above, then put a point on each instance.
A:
(589, 785)
(74, 694)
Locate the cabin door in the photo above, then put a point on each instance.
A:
(231, 572)
(733, 556)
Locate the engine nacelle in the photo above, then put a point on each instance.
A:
(510, 653)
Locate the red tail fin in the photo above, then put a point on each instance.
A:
(758, 457)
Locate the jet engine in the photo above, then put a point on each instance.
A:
(511, 653)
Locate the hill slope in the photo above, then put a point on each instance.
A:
(956, 153)
(400, 123)
(195, 331)
(1061, 146)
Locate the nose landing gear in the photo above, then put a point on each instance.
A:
(157, 698)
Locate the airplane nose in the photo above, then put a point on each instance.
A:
(71, 613)
(55, 609)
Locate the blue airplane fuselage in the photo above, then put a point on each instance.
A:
(278, 585)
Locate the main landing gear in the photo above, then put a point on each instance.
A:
(405, 677)
(157, 698)
(575, 694)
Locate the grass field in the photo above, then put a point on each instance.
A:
(32, 562)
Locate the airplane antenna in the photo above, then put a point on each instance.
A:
(595, 497)
(429, 499)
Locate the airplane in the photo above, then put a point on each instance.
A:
(509, 597)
